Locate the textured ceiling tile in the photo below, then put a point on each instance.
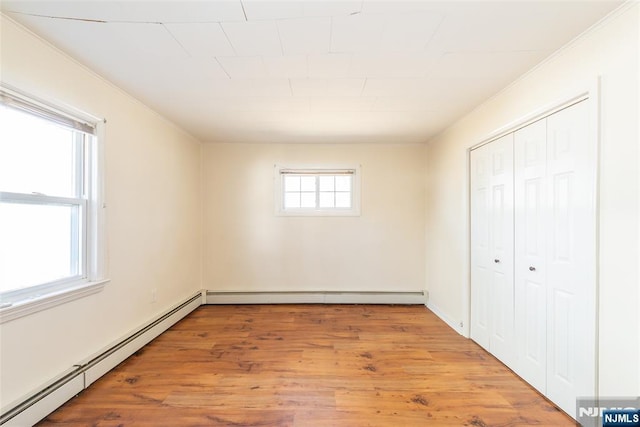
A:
(355, 103)
(253, 38)
(386, 87)
(244, 67)
(202, 40)
(101, 11)
(357, 33)
(271, 104)
(305, 36)
(384, 33)
(260, 87)
(260, 10)
(322, 8)
(407, 6)
(133, 11)
(327, 87)
(146, 39)
(286, 67)
(334, 65)
(409, 32)
(181, 11)
(404, 103)
(396, 87)
(391, 65)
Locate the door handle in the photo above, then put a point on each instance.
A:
(532, 268)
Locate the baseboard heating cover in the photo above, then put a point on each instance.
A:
(38, 405)
(222, 297)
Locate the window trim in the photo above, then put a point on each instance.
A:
(317, 170)
(22, 302)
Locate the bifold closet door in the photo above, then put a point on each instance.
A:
(492, 293)
(554, 268)
(571, 257)
(531, 219)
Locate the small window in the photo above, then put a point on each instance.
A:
(49, 201)
(318, 191)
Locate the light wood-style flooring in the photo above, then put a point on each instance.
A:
(310, 365)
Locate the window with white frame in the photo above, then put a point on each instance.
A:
(49, 202)
(318, 191)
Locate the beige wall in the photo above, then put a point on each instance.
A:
(154, 214)
(248, 248)
(611, 52)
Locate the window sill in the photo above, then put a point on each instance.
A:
(44, 302)
(318, 212)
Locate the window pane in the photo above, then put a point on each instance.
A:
(36, 155)
(36, 246)
(327, 199)
(308, 183)
(343, 200)
(308, 200)
(291, 183)
(291, 200)
(327, 183)
(343, 183)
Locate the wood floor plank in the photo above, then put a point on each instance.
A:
(310, 365)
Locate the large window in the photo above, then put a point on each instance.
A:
(317, 191)
(49, 211)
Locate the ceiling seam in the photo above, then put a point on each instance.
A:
(279, 37)
(68, 18)
(364, 84)
(177, 41)
(235, 53)
(244, 12)
(290, 87)
(435, 31)
(222, 67)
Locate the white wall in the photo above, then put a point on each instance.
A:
(248, 248)
(154, 215)
(611, 51)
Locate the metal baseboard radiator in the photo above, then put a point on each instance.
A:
(314, 297)
(38, 405)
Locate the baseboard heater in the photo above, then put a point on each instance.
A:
(40, 404)
(311, 297)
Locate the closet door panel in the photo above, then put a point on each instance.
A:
(492, 248)
(480, 226)
(501, 250)
(570, 257)
(530, 253)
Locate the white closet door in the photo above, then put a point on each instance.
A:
(530, 153)
(501, 250)
(571, 260)
(480, 255)
(492, 321)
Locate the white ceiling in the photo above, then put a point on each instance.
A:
(310, 71)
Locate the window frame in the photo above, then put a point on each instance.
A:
(89, 199)
(280, 171)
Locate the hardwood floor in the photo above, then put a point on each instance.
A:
(310, 365)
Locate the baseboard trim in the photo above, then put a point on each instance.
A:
(222, 297)
(40, 403)
(456, 326)
(111, 358)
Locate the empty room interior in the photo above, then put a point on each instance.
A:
(348, 213)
